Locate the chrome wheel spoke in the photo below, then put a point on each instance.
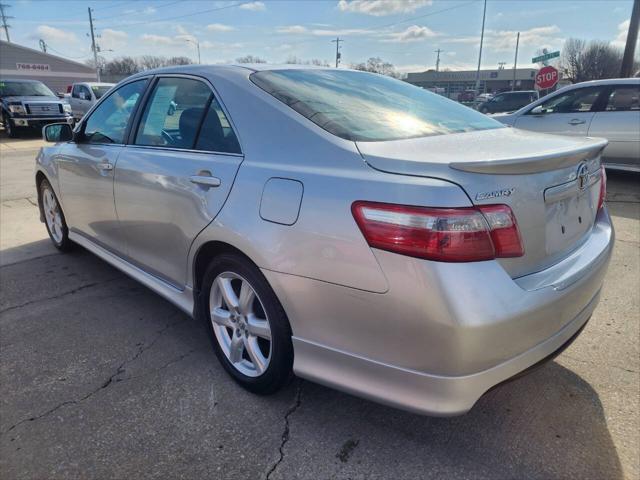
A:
(226, 290)
(253, 350)
(222, 317)
(236, 348)
(247, 296)
(258, 327)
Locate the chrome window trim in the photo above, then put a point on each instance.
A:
(189, 150)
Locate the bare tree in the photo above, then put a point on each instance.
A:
(377, 65)
(250, 59)
(292, 59)
(179, 61)
(148, 62)
(582, 61)
(122, 66)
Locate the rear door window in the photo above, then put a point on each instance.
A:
(174, 113)
(574, 101)
(216, 134)
(624, 99)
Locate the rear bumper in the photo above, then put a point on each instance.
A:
(443, 334)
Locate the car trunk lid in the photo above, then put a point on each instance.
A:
(551, 183)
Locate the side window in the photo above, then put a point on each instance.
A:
(216, 134)
(108, 122)
(76, 91)
(84, 91)
(624, 99)
(574, 101)
(173, 114)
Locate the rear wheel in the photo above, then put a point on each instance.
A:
(247, 325)
(54, 217)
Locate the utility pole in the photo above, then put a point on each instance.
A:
(337, 42)
(5, 25)
(43, 45)
(438, 51)
(515, 63)
(94, 47)
(501, 65)
(484, 15)
(632, 38)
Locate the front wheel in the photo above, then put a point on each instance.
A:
(54, 217)
(247, 325)
(9, 129)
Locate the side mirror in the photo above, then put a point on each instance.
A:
(57, 132)
(537, 110)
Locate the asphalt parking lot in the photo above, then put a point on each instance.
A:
(101, 378)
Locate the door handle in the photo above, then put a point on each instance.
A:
(205, 180)
(576, 121)
(106, 166)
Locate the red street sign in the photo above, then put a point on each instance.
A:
(546, 77)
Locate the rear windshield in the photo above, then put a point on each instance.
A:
(362, 106)
(24, 89)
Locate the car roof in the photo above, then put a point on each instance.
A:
(608, 81)
(96, 84)
(20, 80)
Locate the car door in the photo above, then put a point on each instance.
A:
(567, 113)
(619, 122)
(74, 101)
(175, 175)
(86, 167)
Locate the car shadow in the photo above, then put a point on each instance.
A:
(548, 424)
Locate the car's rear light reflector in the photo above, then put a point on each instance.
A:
(465, 234)
(603, 187)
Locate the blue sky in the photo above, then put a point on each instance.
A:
(403, 32)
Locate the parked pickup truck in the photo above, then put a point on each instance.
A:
(30, 104)
(84, 95)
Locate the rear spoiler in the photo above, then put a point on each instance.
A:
(537, 163)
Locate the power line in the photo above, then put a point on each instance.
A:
(176, 17)
(120, 14)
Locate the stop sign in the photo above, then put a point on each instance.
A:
(546, 77)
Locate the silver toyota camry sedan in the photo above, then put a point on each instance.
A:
(341, 226)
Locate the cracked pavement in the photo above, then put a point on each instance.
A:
(101, 378)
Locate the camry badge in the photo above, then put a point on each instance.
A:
(505, 192)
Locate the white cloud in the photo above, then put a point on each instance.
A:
(149, 11)
(292, 29)
(219, 27)
(113, 39)
(52, 34)
(505, 40)
(621, 39)
(379, 8)
(158, 39)
(320, 32)
(254, 6)
(411, 34)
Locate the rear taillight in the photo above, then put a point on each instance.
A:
(465, 234)
(603, 187)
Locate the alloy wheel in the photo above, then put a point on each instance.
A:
(240, 324)
(52, 214)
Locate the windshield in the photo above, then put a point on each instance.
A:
(25, 89)
(362, 106)
(100, 90)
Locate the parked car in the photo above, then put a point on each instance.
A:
(344, 226)
(467, 96)
(508, 101)
(26, 104)
(84, 94)
(483, 97)
(602, 108)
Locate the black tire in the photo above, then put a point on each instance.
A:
(62, 241)
(10, 130)
(279, 370)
